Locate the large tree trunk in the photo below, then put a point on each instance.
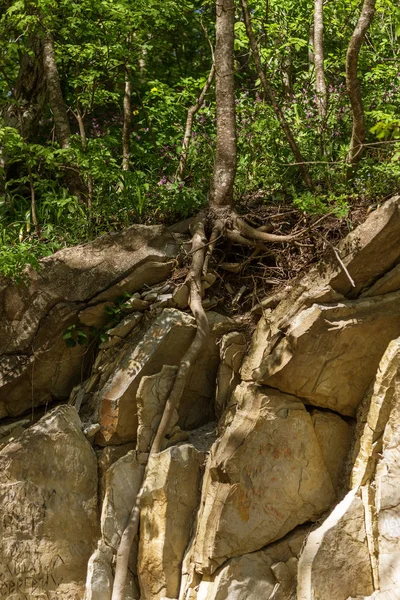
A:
(57, 105)
(353, 85)
(221, 188)
(59, 110)
(29, 92)
(320, 85)
(28, 95)
(271, 98)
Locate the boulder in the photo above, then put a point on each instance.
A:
(163, 342)
(123, 481)
(265, 475)
(171, 495)
(384, 394)
(48, 495)
(368, 253)
(387, 497)
(355, 553)
(151, 397)
(34, 314)
(268, 573)
(232, 349)
(334, 436)
(335, 562)
(330, 353)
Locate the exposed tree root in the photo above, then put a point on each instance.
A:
(194, 282)
(224, 223)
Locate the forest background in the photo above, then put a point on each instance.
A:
(94, 101)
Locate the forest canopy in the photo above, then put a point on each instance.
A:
(108, 112)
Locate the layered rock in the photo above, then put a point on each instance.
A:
(359, 544)
(269, 573)
(48, 495)
(262, 478)
(279, 459)
(36, 367)
(171, 495)
(322, 356)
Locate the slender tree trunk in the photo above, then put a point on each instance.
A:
(320, 84)
(221, 188)
(59, 110)
(126, 129)
(311, 47)
(353, 84)
(82, 133)
(286, 66)
(189, 124)
(271, 98)
(33, 203)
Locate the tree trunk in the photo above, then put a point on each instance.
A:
(59, 110)
(28, 97)
(189, 123)
(221, 188)
(29, 93)
(353, 85)
(271, 98)
(126, 129)
(320, 84)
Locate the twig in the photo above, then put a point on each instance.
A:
(336, 252)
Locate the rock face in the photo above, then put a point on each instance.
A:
(279, 473)
(171, 496)
(269, 573)
(359, 543)
(47, 476)
(262, 479)
(322, 357)
(35, 364)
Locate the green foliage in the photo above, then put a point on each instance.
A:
(75, 335)
(164, 47)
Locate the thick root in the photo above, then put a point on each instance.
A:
(194, 282)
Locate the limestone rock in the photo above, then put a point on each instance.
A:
(151, 397)
(123, 481)
(34, 315)
(334, 436)
(148, 273)
(124, 327)
(262, 478)
(232, 350)
(268, 574)
(171, 495)
(53, 371)
(163, 343)
(390, 282)
(384, 395)
(48, 495)
(96, 316)
(387, 500)
(368, 253)
(99, 580)
(106, 457)
(322, 356)
(335, 562)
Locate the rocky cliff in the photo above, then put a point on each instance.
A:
(280, 473)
